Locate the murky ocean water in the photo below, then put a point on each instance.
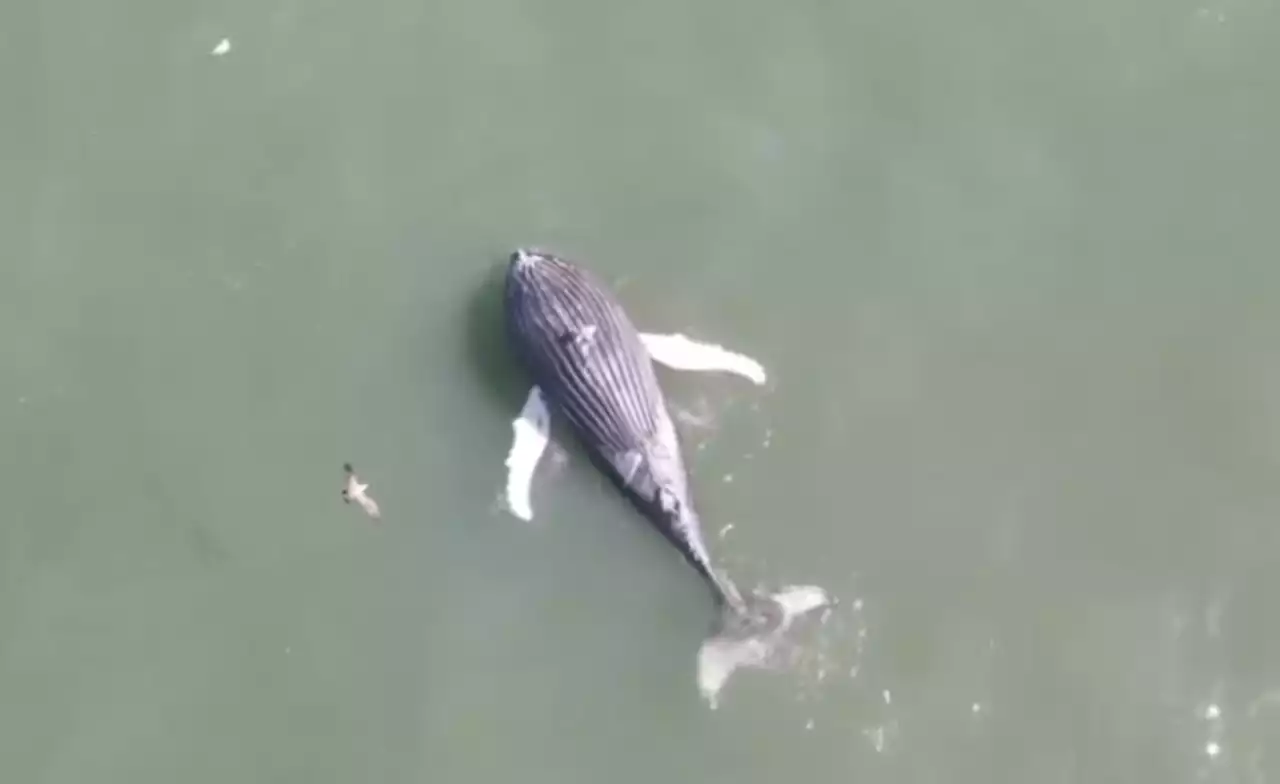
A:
(1011, 269)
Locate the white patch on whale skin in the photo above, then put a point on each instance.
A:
(582, 339)
(683, 353)
(631, 464)
(532, 431)
(720, 656)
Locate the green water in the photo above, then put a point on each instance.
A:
(1012, 269)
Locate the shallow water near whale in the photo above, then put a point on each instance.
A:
(1011, 270)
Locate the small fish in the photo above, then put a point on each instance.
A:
(357, 491)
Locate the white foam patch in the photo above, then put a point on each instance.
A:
(531, 434)
(702, 419)
(719, 657)
(681, 352)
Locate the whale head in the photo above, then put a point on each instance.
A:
(525, 259)
(534, 276)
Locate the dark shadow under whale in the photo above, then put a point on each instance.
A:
(486, 342)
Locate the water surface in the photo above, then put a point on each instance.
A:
(1012, 269)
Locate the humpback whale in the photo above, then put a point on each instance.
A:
(592, 366)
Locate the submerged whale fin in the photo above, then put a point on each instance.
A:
(752, 633)
(531, 433)
(681, 352)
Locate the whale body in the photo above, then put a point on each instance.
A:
(591, 365)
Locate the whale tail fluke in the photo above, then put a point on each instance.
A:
(751, 632)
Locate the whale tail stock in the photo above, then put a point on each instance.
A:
(750, 631)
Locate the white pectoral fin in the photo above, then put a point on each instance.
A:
(531, 433)
(683, 353)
